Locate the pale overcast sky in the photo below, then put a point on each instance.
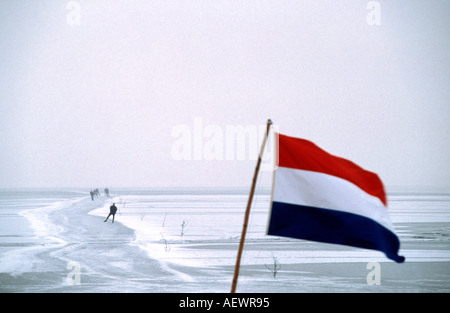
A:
(108, 93)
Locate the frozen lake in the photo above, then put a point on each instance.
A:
(170, 240)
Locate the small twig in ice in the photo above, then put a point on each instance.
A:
(166, 243)
(182, 228)
(276, 267)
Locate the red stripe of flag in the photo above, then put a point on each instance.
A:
(302, 154)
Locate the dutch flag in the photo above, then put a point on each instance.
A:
(321, 197)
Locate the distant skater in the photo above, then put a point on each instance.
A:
(112, 211)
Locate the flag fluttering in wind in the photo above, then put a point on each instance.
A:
(321, 197)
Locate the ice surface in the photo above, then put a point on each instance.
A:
(181, 241)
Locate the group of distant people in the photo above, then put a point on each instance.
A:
(112, 208)
(96, 193)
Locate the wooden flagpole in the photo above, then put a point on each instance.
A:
(247, 212)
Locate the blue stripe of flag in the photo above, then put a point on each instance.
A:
(330, 226)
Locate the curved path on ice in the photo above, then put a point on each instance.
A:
(81, 253)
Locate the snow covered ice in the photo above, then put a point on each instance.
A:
(172, 240)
